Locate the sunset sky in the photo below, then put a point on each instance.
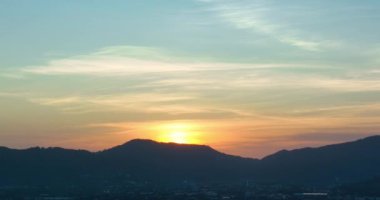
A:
(248, 77)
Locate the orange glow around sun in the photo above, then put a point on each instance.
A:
(181, 133)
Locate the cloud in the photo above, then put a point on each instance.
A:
(13, 94)
(323, 137)
(168, 70)
(133, 60)
(111, 61)
(151, 83)
(141, 103)
(256, 17)
(8, 73)
(118, 103)
(103, 66)
(342, 110)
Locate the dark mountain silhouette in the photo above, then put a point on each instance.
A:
(153, 160)
(146, 160)
(338, 163)
(134, 160)
(42, 165)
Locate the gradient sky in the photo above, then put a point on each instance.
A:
(248, 77)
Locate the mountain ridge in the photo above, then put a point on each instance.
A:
(373, 138)
(165, 162)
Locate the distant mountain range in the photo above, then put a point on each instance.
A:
(146, 160)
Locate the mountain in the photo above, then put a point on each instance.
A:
(42, 165)
(135, 160)
(337, 163)
(165, 161)
(147, 160)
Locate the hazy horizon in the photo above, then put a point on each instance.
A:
(246, 77)
(193, 144)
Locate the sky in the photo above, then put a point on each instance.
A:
(247, 77)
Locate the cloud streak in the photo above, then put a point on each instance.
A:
(137, 87)
(255, 16)
(168, 70)
(132, 60)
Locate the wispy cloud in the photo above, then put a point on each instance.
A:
(13, 94)
(141, 103)
(133, 60)
(145, 85)
(168, 70)
(256, 16)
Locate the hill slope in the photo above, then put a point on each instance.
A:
(134, 160)
(344, 162)
(169, 162)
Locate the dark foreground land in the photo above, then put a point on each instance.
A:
(193, 191)
(144, 169)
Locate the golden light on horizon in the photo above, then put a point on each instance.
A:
(181, 133)
(176, 137)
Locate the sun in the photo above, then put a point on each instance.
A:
(178, 137)
(178, 133)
